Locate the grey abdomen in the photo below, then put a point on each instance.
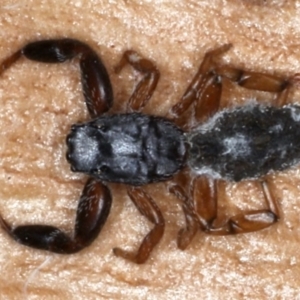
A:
(246, 142)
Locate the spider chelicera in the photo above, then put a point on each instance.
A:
(246, 142)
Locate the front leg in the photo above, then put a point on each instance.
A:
(92, 212)
(96, 84)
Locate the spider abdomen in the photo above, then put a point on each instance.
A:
(246, 142)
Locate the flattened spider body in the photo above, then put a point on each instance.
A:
(242, 143)
(136, 149)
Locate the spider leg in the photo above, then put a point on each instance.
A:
(200, 211)
(150, 210)
(205, 197)
(179, 186)
(204, 90)
(260, 82)
(145, 88)
(92, 212)
(200, 202)
(96, 84)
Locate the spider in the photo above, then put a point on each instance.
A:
(213, 144)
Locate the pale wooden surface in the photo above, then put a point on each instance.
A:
(39, 103)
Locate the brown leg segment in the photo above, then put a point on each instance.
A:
(185, 235)
(150, 210)
(199, 206)
(96, 84)
(205, 89)
(6, 64)
(145, 88)
(92, 212)
(204, 197)
(205, 203)
(260, 82)
(200, 210)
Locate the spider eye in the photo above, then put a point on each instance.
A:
(101, 170)
(104, 169)
(100, 127)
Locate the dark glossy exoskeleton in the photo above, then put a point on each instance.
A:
(215, 144)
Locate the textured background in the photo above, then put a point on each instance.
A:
(39, 103)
